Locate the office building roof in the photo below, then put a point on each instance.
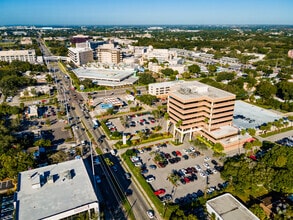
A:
(194, 89)
(230, 208)
(104, 74)
(53, 189)
(251, 116)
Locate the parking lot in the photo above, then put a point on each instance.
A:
(161, 174)
(133, 124)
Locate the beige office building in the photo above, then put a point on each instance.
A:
(108, 54)
(198, 109)
(21, 55)
(80, 56)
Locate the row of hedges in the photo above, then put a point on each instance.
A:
(135, 142)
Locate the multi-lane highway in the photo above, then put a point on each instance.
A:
(115, 182)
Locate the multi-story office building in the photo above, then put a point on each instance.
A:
(80, 56)
(79, 38)
(58, 191)
(22, 55)
(107, 53)
(198, 109)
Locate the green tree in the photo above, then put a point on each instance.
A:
(168, 72)
(251, 131)
(212, 69)
(186, 75)
(218, 148)
(258, 211)
(145, 79)
(147, 99)
(179, 123)
(194, 68)
(265, 89)
(49, 78)
(43, 143)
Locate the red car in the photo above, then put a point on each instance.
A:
(178, 153)
(186, 180)
(253, 157)
(159, 192)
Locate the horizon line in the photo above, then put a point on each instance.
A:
(46, 25)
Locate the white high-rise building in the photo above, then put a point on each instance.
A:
(80, 56)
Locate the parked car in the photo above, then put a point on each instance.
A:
(206, 165)
(128, 192)
(153, 166)
(150, 178)
(214, 162)
(160, 192)
(207, 158)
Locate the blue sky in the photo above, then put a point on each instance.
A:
(120, 12)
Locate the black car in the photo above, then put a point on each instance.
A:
(182, 181)
(128, 192)
(200, 193)
(209, 171)
(172, 160)
(214, 162)
(194, 176)
(174, 153)
(152, 166)
(185, 157)
(177, 159)
(219, 168)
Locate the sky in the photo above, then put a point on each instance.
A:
(145, 12)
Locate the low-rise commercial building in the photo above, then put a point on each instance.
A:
(107, 77)
(227, 207)
(21, 55)
(54, 192)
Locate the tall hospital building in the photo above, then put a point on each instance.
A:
(198, 109)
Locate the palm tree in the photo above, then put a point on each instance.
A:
(179, 123)
(167, 117)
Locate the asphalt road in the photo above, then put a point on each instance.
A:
(116, 183)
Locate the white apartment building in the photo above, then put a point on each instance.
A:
(80, 56)
(22, 55)
(108, 54)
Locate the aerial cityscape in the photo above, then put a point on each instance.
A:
(146, 110)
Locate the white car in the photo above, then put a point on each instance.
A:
(206, 165)
(197, 167)
(150, 213)
(192, 149)
(207, 158)
(150, 179)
